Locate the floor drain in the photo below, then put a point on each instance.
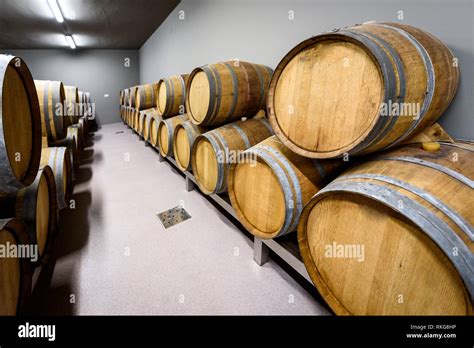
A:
(173, 216)
(119, 132)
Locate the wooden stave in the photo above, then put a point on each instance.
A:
(70, 143)
(300, 178)
(174, 100)
(170, 125)
(56, 158)
(383, 193)
(58, 97)
(150, 118)
(141, 122)
(71, 101)
(133, 95)
(145, 97)
(7, 175)
(192, 132)
(213, 118)
(18, 230)
(371, 140)
(76, 131)
(216, 140)
(22, 204)
(155, 120)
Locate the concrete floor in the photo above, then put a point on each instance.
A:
(115, 257)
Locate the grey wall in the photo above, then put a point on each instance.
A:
(99, 72)
(260, 31)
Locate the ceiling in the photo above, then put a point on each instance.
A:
(104, 24)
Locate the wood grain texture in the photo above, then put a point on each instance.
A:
(145, 97)
(51, 97)
(338, 92)
(70, 143)
(58, 158)
(285, 181)
(221, 93)
(214, 151)
(15, 273)
(183, 140)
(411, 211)
(71, 102)
(171, 93)
(35, 205)
(165, 133)
(20, 124)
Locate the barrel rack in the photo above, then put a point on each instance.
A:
(285, 248)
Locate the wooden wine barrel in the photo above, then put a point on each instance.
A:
(82, 103)
(215, 150)
(165, 134)
(84, 126)
(224, 92)
(360, 89)
(36, 206)
(51, 98)
(20, 124)
(141, 122)
(71, 104)
(136, 120)
(15, 284)
(411, 211)
(74, 156)
(124, 95)
(270, 185)
(76, 132)
(133, 96)
(145, 97)
(171, 95)
(58, 159)
(183, 140)
(127, 115)
(154, 122)
(150, 116)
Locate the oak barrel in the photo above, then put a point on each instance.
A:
(154, 120)
(270, 185)
(171, 95)
(51, 98)
(36, 206)
(183, 140)
(20, 124)
(72, 104)
(74, 156)
(150, 117)
(133, 96)
(145, 97)
(215, 150)
(360, 89)
(15, 273)
(220, 93)
(165, 133)
(394, 235)
(58, 158)
(141, 122)
(75, 131)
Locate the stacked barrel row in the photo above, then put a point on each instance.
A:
(383, 218)
(38, 150)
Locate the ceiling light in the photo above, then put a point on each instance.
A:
(70, 41)
(56, 11)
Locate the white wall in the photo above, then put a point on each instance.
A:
(260, 31)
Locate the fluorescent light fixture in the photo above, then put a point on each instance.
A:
(70, 41)
(56, 11)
